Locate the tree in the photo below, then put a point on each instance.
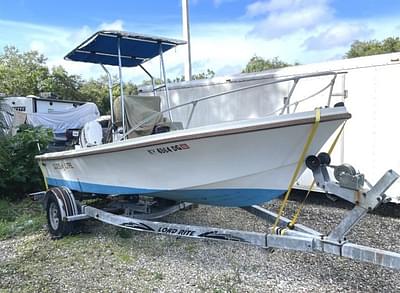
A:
(202, 75)
(96, 90)
(22, 73)
(63, 85)
(373, 47)
(257, 64)
(19, 172)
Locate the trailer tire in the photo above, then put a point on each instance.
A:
(59, 204)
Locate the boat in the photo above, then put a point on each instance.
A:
(152, 166)
(233, 164)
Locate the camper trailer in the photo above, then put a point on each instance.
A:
(33, 104)
(65, 118)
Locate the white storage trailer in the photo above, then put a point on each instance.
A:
(368, 87)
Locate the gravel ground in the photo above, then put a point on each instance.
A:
(103, 259)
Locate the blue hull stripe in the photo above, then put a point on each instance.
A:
(230, 197)
(98, 188)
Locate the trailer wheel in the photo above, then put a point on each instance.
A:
(59, 204)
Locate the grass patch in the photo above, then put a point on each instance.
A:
(20, 218)
(124, 256)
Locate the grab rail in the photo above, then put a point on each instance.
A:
(282, 110)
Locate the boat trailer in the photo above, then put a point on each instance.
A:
(63, 210)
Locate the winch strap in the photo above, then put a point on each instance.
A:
(299, 164)
(297, 213)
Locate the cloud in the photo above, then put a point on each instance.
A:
(318, 33)
(279, 18)
(48, 40)
(117, 25)
(37, 46)
(54, 42)
(338, 35)
(224, 47)
(262, 7)
(229, 70)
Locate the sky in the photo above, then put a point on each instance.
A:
(225, 34)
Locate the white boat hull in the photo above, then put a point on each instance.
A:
(234, 164)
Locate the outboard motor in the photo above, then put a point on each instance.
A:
(91, 134)
(72, 136)
(160, 129)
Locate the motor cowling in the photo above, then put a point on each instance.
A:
(91, 134)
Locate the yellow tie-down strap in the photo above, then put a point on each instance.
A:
(299, 165)
(297, 213)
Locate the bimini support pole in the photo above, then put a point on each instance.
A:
(165, 82)
(122, 88)
(110, 86)
(151, 78)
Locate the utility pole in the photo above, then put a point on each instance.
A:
(186, 37)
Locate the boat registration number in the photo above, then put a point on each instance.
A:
(169, 149)
(62, 166)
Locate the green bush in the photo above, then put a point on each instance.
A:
(19, 172)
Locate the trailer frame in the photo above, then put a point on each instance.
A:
(296, 237)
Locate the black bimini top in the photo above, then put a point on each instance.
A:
(102, 48)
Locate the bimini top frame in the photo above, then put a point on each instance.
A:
(107, 47)
(123, 49)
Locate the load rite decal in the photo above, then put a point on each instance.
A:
(169, 149)
(182, 232)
